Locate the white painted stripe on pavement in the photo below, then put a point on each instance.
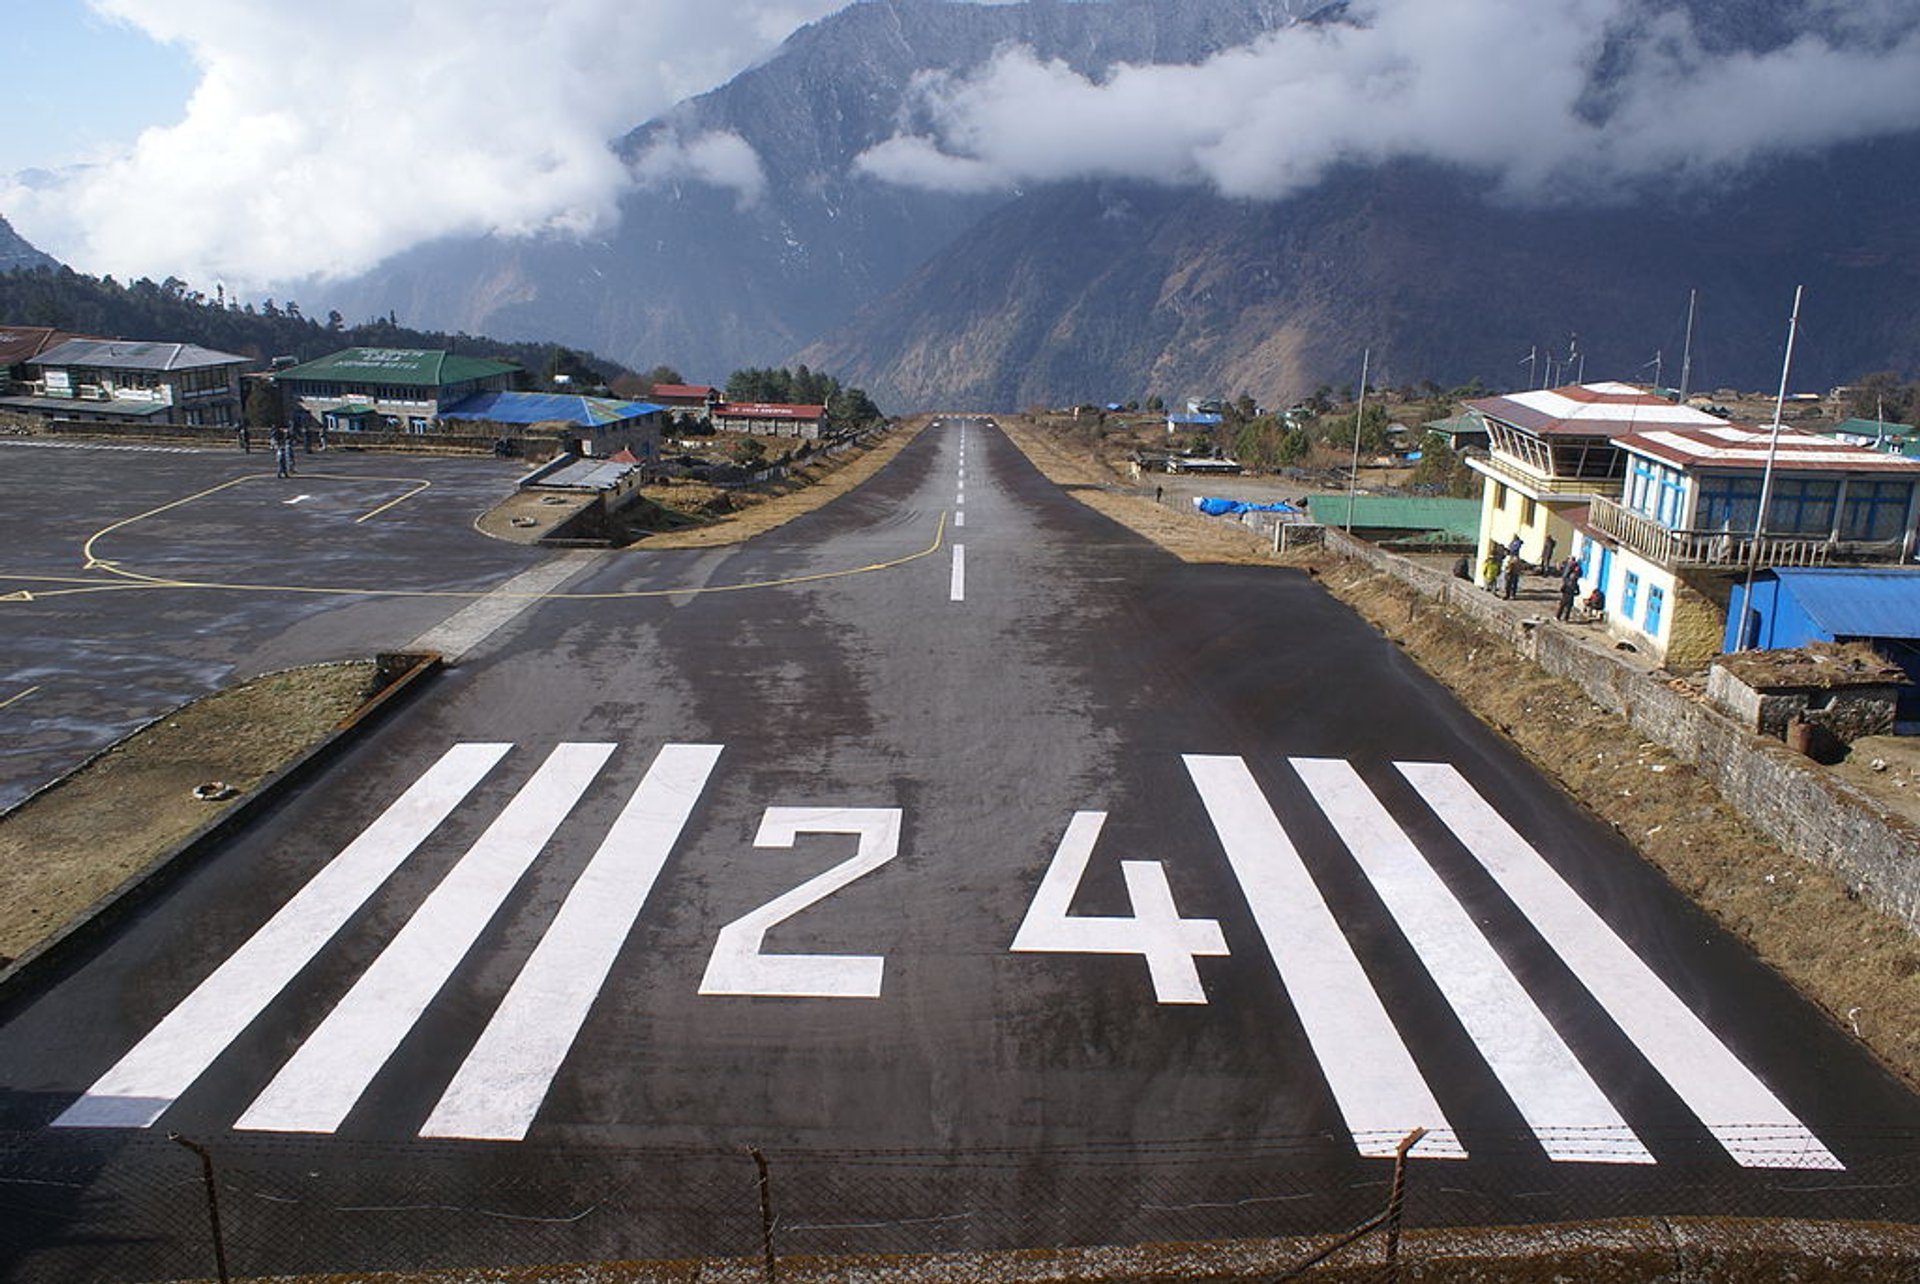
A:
(1741, 1113)
(1374, 1081)
(957, 583)
(1559, 1100)
(468, 627)
(959, 519)
(498, 1089)
(140, 1087)
(326, 1077)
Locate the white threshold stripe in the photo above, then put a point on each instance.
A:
(468, 627)
(1742, 1114)
(1568, 1113)
(140, 1087)
(327, 1076)
(957, 584)
(499, 1087)
(1372, 1076)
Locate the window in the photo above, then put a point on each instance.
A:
(1876, 510)
(1499, 496)
(1656, 602)
(1801, 506)
(1630, 595)
(1728, 503)
(1527, 509)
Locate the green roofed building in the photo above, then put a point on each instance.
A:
(386, 389)
(1408, 519)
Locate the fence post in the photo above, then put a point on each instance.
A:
(1397, 1200)
(213, 1202)
(766, 1211)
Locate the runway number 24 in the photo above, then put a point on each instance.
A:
(1154, 930)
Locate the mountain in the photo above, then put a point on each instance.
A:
(16, 253)
(698, 279)
(1098, 292)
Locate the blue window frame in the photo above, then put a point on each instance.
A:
(1656, 601)
(1728, 503)
(1801, 506)
(1629, 595)
(1876, 510)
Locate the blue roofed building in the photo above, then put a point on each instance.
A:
(1793, 607)
(596, 426)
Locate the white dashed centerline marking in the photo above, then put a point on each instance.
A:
(957, 588)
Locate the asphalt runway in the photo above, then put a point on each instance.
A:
(959, 849)
(134, 578)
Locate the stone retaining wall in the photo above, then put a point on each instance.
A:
(1795, 803)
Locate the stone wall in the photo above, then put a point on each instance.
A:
(1796, 804)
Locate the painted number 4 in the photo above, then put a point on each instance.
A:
(1155, 930)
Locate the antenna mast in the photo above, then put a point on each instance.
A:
(1686, 357)
(1359, 413)
(1766, 477)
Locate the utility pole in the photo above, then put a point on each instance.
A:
(1359, 413)
(1686, 357)
(1766, 477)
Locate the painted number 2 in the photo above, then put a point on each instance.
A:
(737, 965)
(1155, 930)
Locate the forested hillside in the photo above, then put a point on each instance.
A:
(173, 312)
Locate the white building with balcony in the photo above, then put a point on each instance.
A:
(1683, 531)
(1660, 501)
(131, 382)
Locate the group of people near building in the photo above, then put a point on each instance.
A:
(1502, 567)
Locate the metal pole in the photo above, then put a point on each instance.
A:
(213, 1202)
(1686, 357)
(1766, 476)
(1359, 413)
(766, 1211)
(1397, 1200)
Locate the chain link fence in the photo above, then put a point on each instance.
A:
(98, 1208)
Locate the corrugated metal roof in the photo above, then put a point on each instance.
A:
(1729, 447)
(548, 407)
(1459, 517)
(766, 410)
(1857, 602)
(588, 474)
(1590, 410)
(401, 367)
(122, 354)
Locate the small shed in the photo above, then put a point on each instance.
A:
(1793, 607)
(1828, 694)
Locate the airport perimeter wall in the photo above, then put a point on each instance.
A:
(1791, 800)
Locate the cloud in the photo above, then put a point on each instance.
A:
(1511, 88)
(323, 137)
(719, 157)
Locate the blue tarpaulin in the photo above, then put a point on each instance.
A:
(1234, 507)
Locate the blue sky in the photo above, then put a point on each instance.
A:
(79, 83)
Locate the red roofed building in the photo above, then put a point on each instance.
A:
(20, 344)
(693, 398)
(769, 420)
